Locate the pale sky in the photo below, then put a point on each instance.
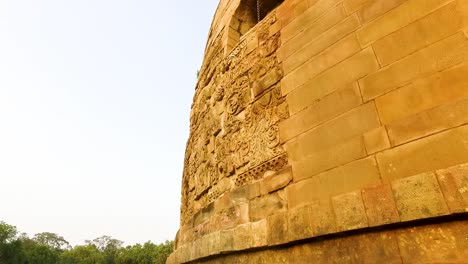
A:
(95, 98)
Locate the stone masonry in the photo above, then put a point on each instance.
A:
(329, 131)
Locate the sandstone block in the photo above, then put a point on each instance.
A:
(429, 122)
(444, 243)
(327, 31)
(424, 155)
(380, 205)
(252, 44)
(323, 61)
(341, 129)
(436, 26)
(322, 218)
(320, 26)
(233, 216)
(204, 214)
(376, 140)
(379, 247)
(261, 85)
(309, 253)
(285, 13)
(214, 243)
(328, 158)
(276, 181)
(300, 7)
(319, 112)
(226, 240)
(356, 67)
(245, 193)
(196, 249)
(436, 57)
(355, 175)
(352, 6)
(299, 223)
(454, 184)
(275, 28)
(277, 229)
(259, 233)
(376, 8)
(423, 94)
(307, 19)
(223, 203)
(205, 246)
(349, 211)
(419, 197)
(397, 18)
(242, 237)
(264, 206)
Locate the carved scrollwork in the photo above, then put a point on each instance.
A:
(234, 134)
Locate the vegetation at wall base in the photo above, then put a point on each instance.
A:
(50, 248)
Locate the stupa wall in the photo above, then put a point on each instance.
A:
(330, 131)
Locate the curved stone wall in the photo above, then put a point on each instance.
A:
(325, 126)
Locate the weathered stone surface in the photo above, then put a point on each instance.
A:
(429, 122)
(419, 197)
(380, 205)
(356, 67)
(277, 229)
(242, 237)
(397, 18)
(226, 240)
(338, 130)
(276, 181)
(322, 218)
(435, 152)
(444, 54)
(264, 206)
(454, 184)
(355, 175)
(444, 243)
(258, 233)
(319, 112)
(325, 60)
(299, 223)
(307, 18)
(423, 94)
(349, 211)
(436, 26)
(297, 51)
(376, 8)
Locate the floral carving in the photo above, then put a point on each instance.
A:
(233, 135)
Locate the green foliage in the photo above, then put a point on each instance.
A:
(88, 254)
(7, 232)
(149, 253)
(39, 254)
(50, 248)
(52, 240)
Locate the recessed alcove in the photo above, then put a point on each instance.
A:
(247, 15)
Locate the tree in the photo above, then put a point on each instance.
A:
(36, 253)
(108, 246)
(52, 240)
(10, 247)
(7, 232)
(149, 253)
(163, 251)
(87, 254)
